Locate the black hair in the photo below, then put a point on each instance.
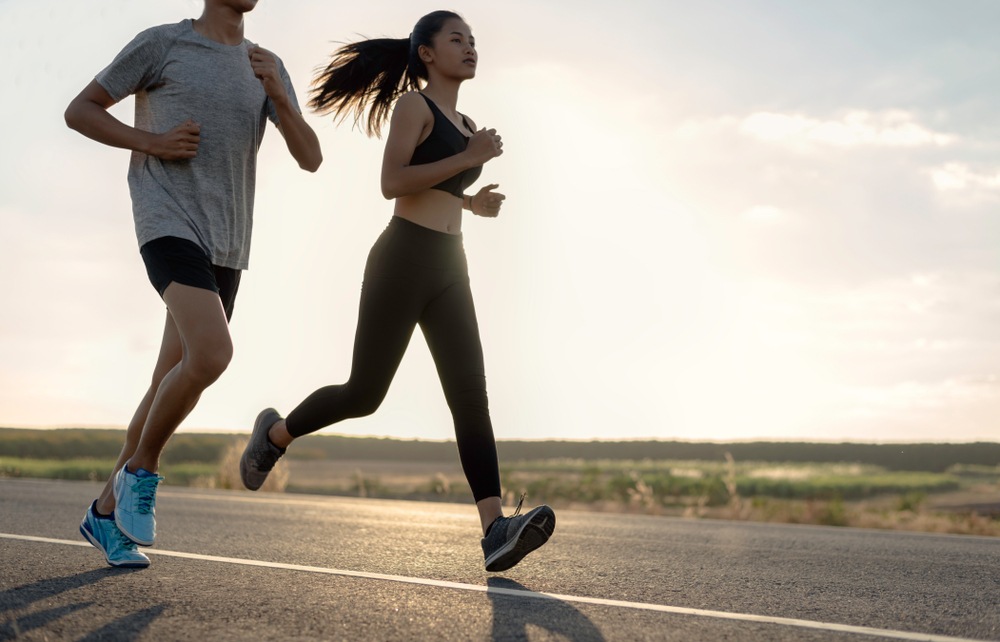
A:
(372, 74)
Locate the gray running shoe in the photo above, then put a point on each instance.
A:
(260, 455)
(511, 538)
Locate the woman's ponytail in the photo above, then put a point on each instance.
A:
(371, 74)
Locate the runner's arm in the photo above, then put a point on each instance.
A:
(88, 114)
(409, 118)
(299, 136)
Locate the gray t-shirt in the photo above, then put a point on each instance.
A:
(177, 74)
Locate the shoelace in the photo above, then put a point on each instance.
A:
(506, 518)
(518, 509)
(267, 458)
(145, 490)
(120, 541)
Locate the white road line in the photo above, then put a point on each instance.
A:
(678, 610)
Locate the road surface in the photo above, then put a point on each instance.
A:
(251, 566)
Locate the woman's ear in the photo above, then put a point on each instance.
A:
(425, 53)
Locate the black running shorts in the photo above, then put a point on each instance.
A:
(171, 259)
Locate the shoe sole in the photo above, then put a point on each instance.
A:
(114, 491)
(536, 531)
(257, 426)
(93, 540)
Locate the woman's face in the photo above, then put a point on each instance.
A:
(454, 51)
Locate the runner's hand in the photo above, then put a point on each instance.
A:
(486, 202)
(265, 67)
(483, 146)
(179, 143)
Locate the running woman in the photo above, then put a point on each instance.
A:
(203, 94)
(416, 272)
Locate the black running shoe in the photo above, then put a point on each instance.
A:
(511, 538)
(260, 454)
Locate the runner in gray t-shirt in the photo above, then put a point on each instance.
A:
(203, 98)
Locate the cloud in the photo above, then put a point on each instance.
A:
(855, 129)
(893, 128)
(958, 176)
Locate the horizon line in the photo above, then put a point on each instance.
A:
(222, 431)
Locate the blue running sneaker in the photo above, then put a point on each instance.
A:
(135, 504)
(103, 533)
(509, 539)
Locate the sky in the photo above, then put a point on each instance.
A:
(724, 221)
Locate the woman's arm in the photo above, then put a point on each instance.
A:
(486, 202)
(88, 114)
(409, 119)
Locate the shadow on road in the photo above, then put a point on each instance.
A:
(22, 597)
(126, 628)
(512, 615)
(13, 628)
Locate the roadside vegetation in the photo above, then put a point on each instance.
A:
(845, 493)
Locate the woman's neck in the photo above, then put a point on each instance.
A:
(444, 93)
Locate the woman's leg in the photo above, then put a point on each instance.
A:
(452, 332)
(388, 312)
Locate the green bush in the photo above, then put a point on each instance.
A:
(98, 470)
(911, 501)
(74, 469)
(832, 513)
(847, 486)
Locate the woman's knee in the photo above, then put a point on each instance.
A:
(363, 399)
(367, 405)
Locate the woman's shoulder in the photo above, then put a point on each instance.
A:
(412, 100)
(411, 108)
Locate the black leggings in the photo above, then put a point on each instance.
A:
(416, 275)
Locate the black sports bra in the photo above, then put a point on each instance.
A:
(446, 140)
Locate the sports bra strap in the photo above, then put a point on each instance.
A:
(435, 108)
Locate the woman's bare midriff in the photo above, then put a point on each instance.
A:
(432, 208)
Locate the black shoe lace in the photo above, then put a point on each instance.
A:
(519, 502)
(267, 459)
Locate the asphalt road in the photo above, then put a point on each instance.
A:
(910, 586)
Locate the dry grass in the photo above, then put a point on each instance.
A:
(398, 477)
(908, 512)
(928, 522)
(971, 510)
(833, 513)
(228, 474)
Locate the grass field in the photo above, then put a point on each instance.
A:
(663, 482)
(186, 474)
(963, 499)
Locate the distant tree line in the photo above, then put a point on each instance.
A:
(71, 443)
